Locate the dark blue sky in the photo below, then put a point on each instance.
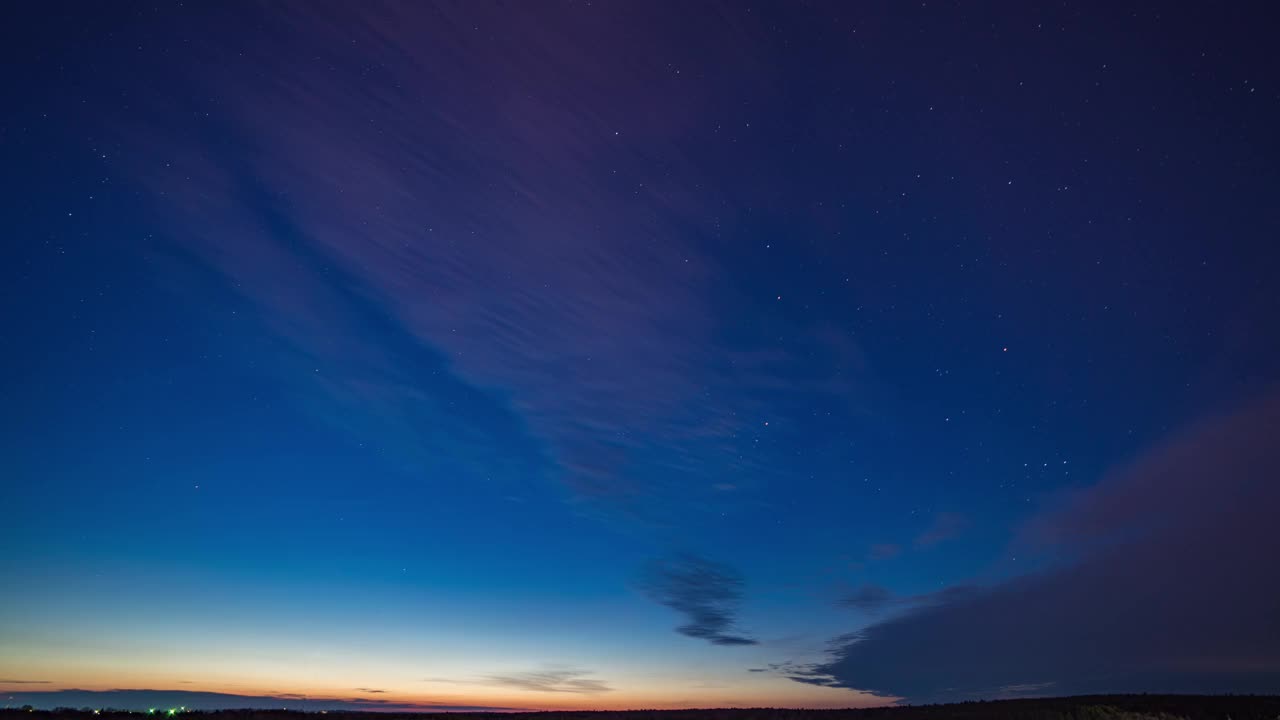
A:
(640, 354)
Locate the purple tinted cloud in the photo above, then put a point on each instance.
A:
(884, 551)
(869, 598)
(471, 203)
(1175, 591)
(946, 526)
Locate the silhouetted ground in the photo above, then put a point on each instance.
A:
(1088, 707)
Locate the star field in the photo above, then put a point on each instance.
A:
(615, 355)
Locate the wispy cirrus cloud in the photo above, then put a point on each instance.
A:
(946, 526)
(553, 681)
(706, 592)
(884, 551)
(393, 246)
(869, 598)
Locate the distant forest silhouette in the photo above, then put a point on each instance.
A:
(1089, 707)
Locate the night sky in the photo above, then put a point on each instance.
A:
(638, 354)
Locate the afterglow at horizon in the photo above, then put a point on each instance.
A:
(608, 355)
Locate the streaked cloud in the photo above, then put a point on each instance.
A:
(869, 598)
(491, 249)
(706, 592)
(884, 551)
(556, 681)
(946, 526)
(194, 700)
(874, 599)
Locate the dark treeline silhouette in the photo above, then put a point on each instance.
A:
(1086, 707)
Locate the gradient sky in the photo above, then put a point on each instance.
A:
(604, 355)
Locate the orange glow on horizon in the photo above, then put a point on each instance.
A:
(774, 694)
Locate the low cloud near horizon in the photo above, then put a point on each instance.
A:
(564, 680)
(1176, 590)
(194, 700)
